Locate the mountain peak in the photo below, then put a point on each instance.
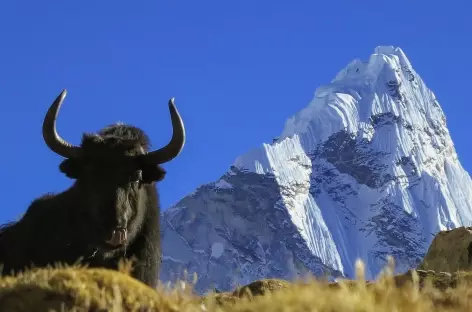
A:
(383, 56)
(367, 169)
(386, 83)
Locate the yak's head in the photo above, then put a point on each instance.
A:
(115, 174)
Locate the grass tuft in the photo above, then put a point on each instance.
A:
(83, 289)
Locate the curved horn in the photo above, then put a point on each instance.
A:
(171, 150)
(53, 140)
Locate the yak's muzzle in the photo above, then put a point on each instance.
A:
(118, 237)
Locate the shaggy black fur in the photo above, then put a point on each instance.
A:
(111, 190)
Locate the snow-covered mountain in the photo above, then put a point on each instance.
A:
(367, 169)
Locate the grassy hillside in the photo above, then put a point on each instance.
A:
(81, 289)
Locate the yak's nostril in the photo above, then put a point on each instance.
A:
(118, 237)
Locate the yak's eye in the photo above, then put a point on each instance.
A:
(136, 176)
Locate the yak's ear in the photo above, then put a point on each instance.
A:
(70, 167)
(153, 173)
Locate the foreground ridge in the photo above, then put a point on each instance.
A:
(82, 289)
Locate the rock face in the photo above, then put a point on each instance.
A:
(450, 251)
(367, 169)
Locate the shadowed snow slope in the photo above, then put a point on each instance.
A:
(366, 170)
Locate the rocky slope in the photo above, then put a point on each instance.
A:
(367, 169)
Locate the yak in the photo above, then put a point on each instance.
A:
(109, 213)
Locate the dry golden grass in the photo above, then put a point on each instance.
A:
(81, 289)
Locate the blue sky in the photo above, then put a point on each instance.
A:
(237, 69)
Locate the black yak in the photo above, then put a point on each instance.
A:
(110, 212)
